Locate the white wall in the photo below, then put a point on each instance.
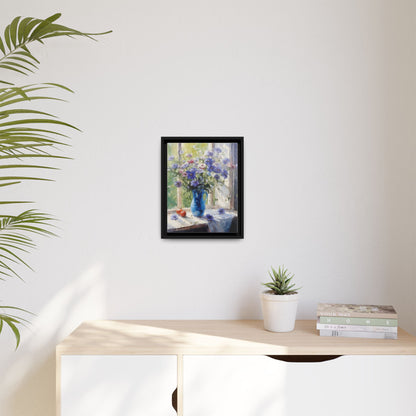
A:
(324, 94)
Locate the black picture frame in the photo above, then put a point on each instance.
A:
(201, 231)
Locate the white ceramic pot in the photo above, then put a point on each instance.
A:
(279, 311)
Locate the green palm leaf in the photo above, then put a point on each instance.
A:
(27, 134)
(22, 137)
(12, 320)
(16, 235)
(21, 32)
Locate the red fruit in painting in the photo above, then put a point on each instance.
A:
(178, 211)
(182, 213)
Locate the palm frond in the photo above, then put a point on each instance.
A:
(23, 137)
(16, 236)
(12, 320)
(22, 31)
(26, 134)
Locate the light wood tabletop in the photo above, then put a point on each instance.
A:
(220, 337)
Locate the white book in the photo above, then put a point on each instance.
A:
(358, 328)
(357, 334)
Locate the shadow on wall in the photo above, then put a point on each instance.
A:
(28, 386)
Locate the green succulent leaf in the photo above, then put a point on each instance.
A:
(281, 281)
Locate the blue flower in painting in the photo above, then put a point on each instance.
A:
(208, 153)
(221, 211)
(209, 217)
(191, 173)
(175, 166)
(194, 183)
(185, 165)
(218, 150)
(174, 217)
(209, 161)
(224, 174)
(217, 169)
(171, 157)
(226, 160)
(178, 184)
(217, 177)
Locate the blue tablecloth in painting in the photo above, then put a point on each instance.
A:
(216, 222)
(221, 223)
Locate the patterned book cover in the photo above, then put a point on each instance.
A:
(358, 311)
(356, 334)
(358, 328)
(344, 320)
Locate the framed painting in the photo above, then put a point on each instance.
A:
(202, 187)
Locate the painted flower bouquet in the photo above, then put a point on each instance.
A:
(202, 172)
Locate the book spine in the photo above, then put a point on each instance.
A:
(389, 316)
(336, 320)
(356, 334)
(389, 329)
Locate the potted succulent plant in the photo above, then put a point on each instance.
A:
(280, 301)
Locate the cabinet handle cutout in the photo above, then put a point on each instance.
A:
(175, 400)
(304, 358)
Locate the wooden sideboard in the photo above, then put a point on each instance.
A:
(227, 368)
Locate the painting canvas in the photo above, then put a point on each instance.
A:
(202, 187)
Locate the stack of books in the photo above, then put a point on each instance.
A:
(357, 321)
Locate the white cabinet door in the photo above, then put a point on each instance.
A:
(233, 386)
(132, 385)
(353, 385)
(262, 386)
